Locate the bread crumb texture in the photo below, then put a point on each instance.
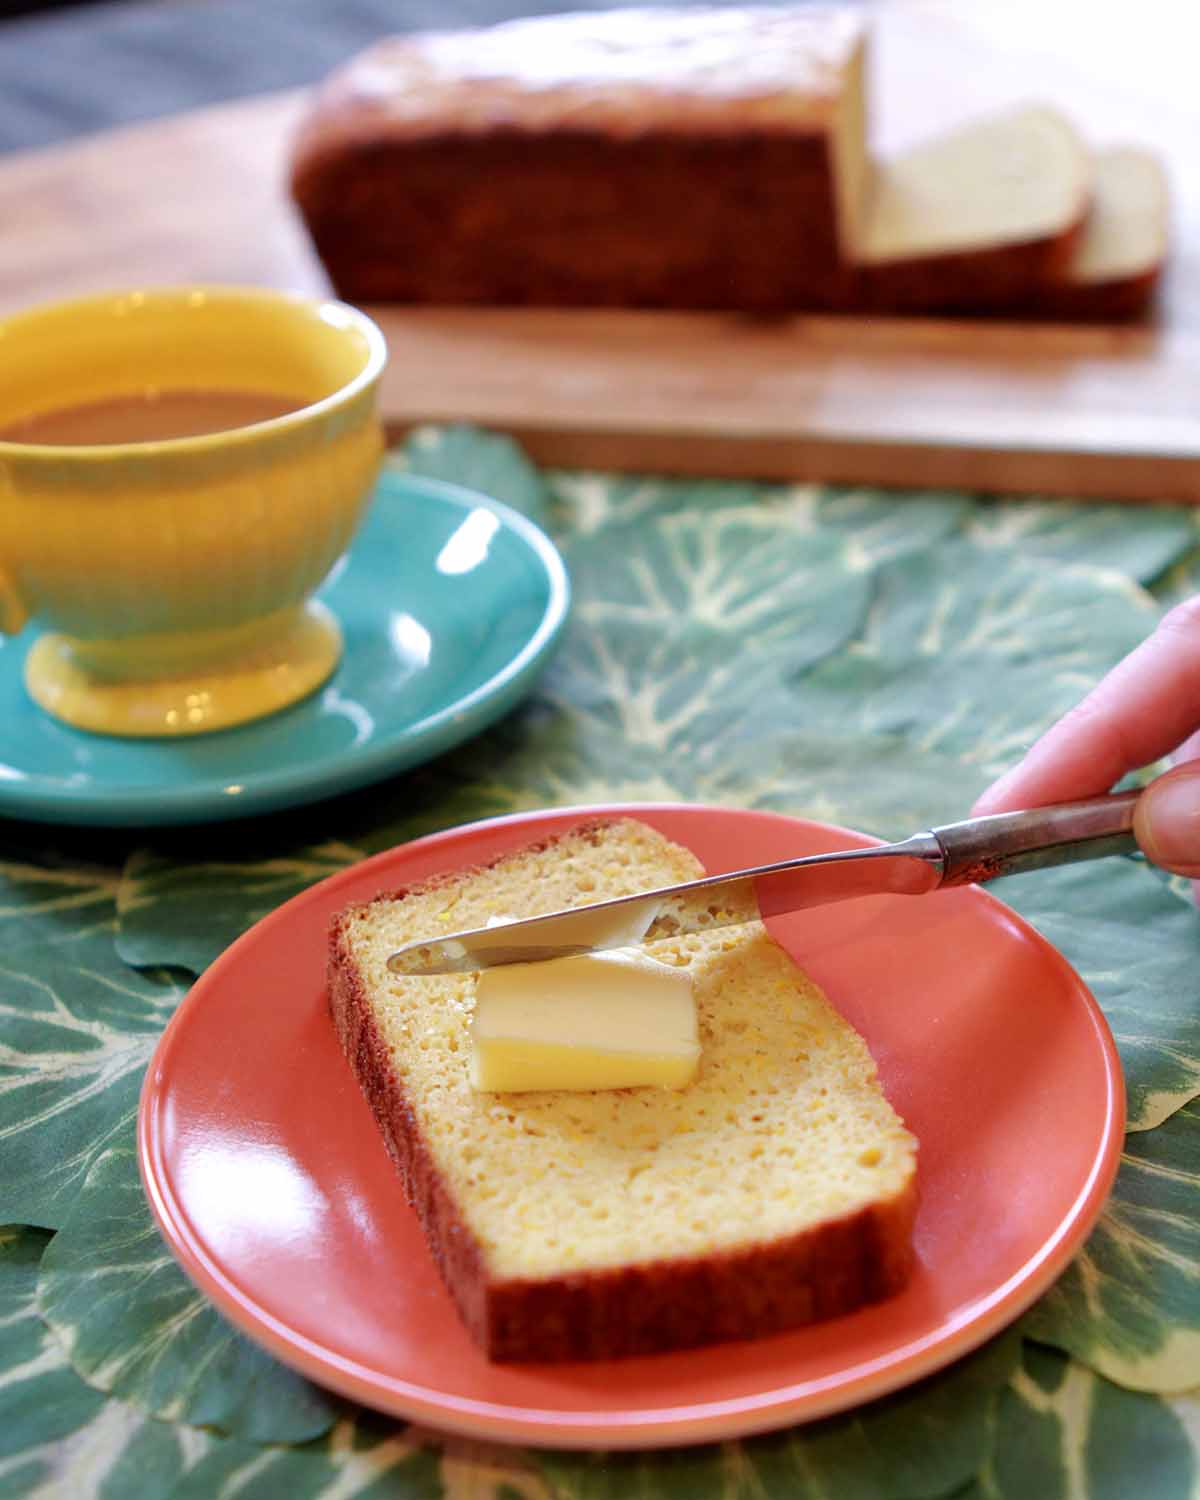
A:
(785, 1127)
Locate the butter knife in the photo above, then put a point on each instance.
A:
(966, 853)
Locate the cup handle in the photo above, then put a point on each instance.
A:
(13, 612)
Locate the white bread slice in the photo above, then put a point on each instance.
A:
(1117, 265)
(777, 1188)
(980, 216)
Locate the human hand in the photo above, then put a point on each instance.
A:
(1147, 707)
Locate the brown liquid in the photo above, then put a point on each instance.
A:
(151, 418)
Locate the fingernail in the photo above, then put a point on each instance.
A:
(1168, 824)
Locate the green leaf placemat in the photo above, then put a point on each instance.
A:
(58, 1435)
(1128, 1306)
(1059, 1431)
(921, 1443)
(484, 461)
(133, 1325)
(1137, 947)
(77, 1027)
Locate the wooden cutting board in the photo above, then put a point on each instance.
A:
(1026, 409)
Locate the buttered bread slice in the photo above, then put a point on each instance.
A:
(777, 1188)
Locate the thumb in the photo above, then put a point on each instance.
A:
(1167, 821)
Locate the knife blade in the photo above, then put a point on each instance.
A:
(964, 853)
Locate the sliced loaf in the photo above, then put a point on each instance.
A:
(778, 1188)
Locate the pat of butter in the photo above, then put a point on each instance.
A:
(612, 1020)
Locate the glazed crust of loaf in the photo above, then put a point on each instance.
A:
(762, 1288)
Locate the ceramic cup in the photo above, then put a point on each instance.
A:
(174, 578)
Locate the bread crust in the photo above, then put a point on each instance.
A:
(827, 1270)
(575, 219)
(1120, 299)
(454, 1248)
(970, 281)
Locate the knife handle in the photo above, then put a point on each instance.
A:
(980, 849)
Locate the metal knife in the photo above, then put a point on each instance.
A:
(966, 853)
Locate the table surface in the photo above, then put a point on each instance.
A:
(861, 656)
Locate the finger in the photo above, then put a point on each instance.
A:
(1167, 820)
(1146, 706)
(1189, 750)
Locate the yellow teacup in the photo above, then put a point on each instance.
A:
(176, 572)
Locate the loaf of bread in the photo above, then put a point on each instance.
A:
(778, 1188)
(711, 157)
(641, 158)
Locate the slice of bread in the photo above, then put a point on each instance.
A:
(1116, 268)
(981, 216)
(776, 1189)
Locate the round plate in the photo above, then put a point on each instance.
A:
(449, 604)
(272, 1185)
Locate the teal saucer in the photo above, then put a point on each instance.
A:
(449, 603)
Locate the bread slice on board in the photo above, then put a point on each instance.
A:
(1118, 262)
(981, 216)
(776, 1189)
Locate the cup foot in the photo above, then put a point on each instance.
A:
(290, 662)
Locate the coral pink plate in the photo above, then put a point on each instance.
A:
(271, 1185)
